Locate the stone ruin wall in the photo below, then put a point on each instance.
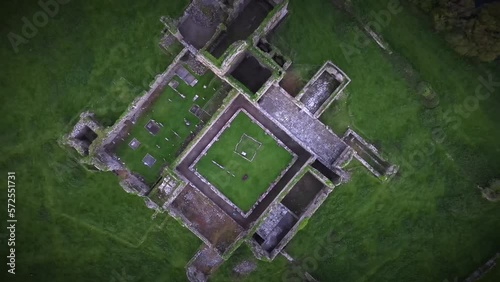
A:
(338, 92)
(313, 206)
(105, 161)
(108, 161)
(482, 270)
(227, 101)
(87, 119)
(391, 170)
(138, 107)
(186, 223)
(202, 264)
(272, 22)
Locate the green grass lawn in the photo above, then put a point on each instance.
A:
(247, 147)
(430, 223)
(171, 110)
(269, 161)
(75, 225)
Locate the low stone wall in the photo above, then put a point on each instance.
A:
(137, 108)
(87, 120)
(323, 179)
(227, 102)
(186, 223)
(235, 52)
(216, 138)
(279, 12)
(258, 251)
(391, 170)
(378, 39)
(485, 268)
(344, 158)
(339, 75)
(203, 263)
(319, 199)
(234, 57)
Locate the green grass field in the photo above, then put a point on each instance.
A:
(247, 147)
(75, 225)
(429, 223)
(171, 110)
(269, 161)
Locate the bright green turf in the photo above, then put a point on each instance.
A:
(247, 147)
(271, 159)
(170, 109)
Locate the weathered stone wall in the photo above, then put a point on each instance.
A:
(204, 262)
(237, 51)
(298, 123)
(140, 105)
(237, 7)
(186, 223)
(87, 120)
(339, 75)
(391, 170)
(344, 158)
(216, 138)
(313, 206)
(271, 22)
(227, 101)
(481, 271)
(257, 250)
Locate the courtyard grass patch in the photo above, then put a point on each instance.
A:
(171, 111)
(240, 178)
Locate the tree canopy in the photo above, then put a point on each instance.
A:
(471, 27)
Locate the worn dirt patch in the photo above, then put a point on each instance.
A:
(207, 218)
(292, 83)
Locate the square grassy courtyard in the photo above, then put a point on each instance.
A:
(244, 162)
(177, 125)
